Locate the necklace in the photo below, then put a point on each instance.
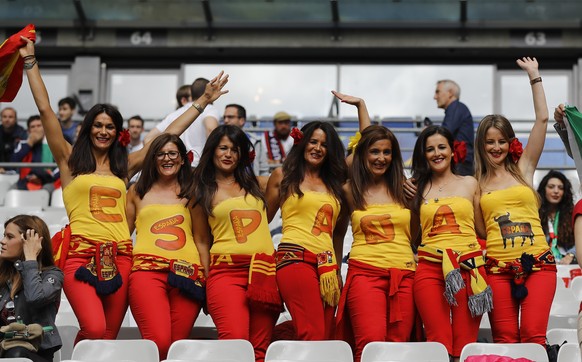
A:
(441, 187)
(226, 182)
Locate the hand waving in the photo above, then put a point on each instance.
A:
(213, 89)
(530, 65)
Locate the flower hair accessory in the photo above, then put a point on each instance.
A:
(190, 156)
(354, 142)
(297, 135)
(459, 151)
(124, 137)
(515, 149)
(252, 155)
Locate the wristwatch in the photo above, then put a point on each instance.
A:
(198, 107)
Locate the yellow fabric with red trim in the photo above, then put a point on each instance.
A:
(513, 223)
(165, 232)
(96, 207)
(382, 237)
(239, 226)
(449, 222)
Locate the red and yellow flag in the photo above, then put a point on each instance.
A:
(11, 64)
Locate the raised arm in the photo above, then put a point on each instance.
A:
(60, 148)
(212, 92)
(535, 144)
(363, 116)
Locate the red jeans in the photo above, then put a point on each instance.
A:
(453, 326)
(232, 314)
(99, 316)
(162, 313)
(299, 287)
(506, 325)
(369, 304)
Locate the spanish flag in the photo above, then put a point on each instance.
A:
(11, 64)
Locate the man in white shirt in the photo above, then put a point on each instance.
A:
(236, 115)
(195, 136)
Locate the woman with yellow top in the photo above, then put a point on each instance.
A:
(520, 264)
(377, 297)
(94, 174)
(450, 287)
(166, 289)
(308, 189)
(230, 219)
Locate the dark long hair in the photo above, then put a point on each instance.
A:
(82, 161)
(565, 207)
(421, 170)
(361, 178)
(333, 171)
(149, 173)
(204, 185)
(44, 258)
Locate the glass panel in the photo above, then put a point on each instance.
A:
(281, 11)
(516, 98)
(408, 90)
(56, 83)
(524, 11)
(300, 90)
(151, 94)
(411, 11)
(146, 13)
(32, 10)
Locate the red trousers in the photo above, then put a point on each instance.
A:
(368, 304)
(232, 314)
(99, 316)
(506, 325)
(299, 287)
(453, 326)
(162, 313)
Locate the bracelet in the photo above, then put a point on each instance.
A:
(570, 254)
(28, 66)
(535, 80)
(29, 57)
(198, 107)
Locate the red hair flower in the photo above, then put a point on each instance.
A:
(459, 151)
(297, 135)
(190, 156)
(252, 155)
(515, 149)
(124, 137)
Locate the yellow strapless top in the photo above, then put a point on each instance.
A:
(449, 223)
(239, 226)
(513, 223)
(309, 221)
(382, 236)
(95, 205)
(165, 231)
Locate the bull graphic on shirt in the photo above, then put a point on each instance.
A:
(512, 230)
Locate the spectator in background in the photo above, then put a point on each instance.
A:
(32, 150)
(556, 216)
(195, 136)
(67, 108)
(458, 120)
(236, 115)
(183, 95)
(10, 134)
(277, 143)
(135, 126)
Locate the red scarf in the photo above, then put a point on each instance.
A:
(11, 64)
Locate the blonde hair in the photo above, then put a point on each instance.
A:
(483, 165)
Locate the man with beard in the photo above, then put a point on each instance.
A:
(277, 142)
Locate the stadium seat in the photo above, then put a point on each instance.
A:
(569, 352)
(226, 350)
(405, 352)
(137, 350)
(559, 335)
(57, 198)
(4, 187)
(314, 351)
(564, 303)
(18, 198)
(576, 287)
(68, 335)
(533, 351)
